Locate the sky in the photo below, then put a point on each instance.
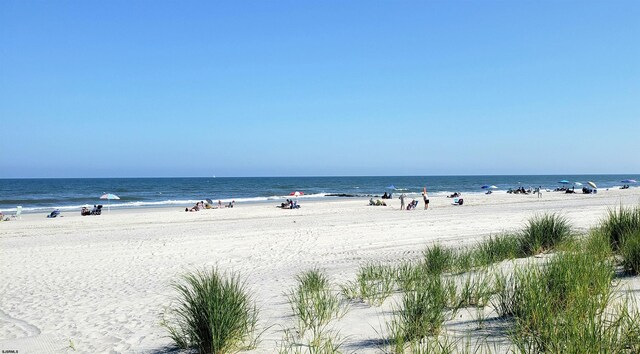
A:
(315, 88)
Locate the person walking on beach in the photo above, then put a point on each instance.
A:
(402, 196)
(539, 191)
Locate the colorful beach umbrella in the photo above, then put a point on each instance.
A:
(592, 184)
(296, 193)
(108, 197)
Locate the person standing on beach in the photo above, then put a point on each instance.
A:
(425, 196)
(402, 196)
(539, 191)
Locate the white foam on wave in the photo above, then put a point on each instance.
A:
(162, 203)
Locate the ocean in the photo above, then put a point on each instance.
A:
(37, 195)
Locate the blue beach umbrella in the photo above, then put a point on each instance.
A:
(486, 186)
(108, 197)
(564, 181)
(629, 181)
(391, 187)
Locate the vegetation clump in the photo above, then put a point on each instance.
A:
(544, 232)
(420, 314)
(374, 284)
(566, 305)
(215, 313)
(619, 223)
(630, 253)
(438, 259)
(313, 301)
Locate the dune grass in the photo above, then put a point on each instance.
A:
(621, 227)
(567, 305)
(630, 253)
(407, 274)
(312, 301)
(544, 232)
(420, 314)
(620, 222)
(438, 259)
(320, 341)
(476, 290)
(496, 249)
(374, 283)
(215, 313)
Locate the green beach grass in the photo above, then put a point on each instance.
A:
(313, 301)
(215, 313)
(374, 283)
(567, 301)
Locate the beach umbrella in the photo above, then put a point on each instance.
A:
(493, 187)
(564, 181)
(486, 186)
(108, 197)
(629, 181)
(592, 184)
(296, 193)
(391, 186)
(578, 184)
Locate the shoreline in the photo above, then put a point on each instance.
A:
(302, 199)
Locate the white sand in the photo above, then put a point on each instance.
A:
(100, 283)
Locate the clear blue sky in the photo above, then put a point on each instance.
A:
(279, 88)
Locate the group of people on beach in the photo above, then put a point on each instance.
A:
(201, 205)
(519, 190)
(414, 203)
(96, 210)
(377, 202)
(289, 204)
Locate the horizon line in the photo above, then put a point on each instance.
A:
(335, 176)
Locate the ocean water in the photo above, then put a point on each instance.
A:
(71, 193)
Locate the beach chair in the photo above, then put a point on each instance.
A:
(18, 214)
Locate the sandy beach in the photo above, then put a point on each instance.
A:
(99, 284)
